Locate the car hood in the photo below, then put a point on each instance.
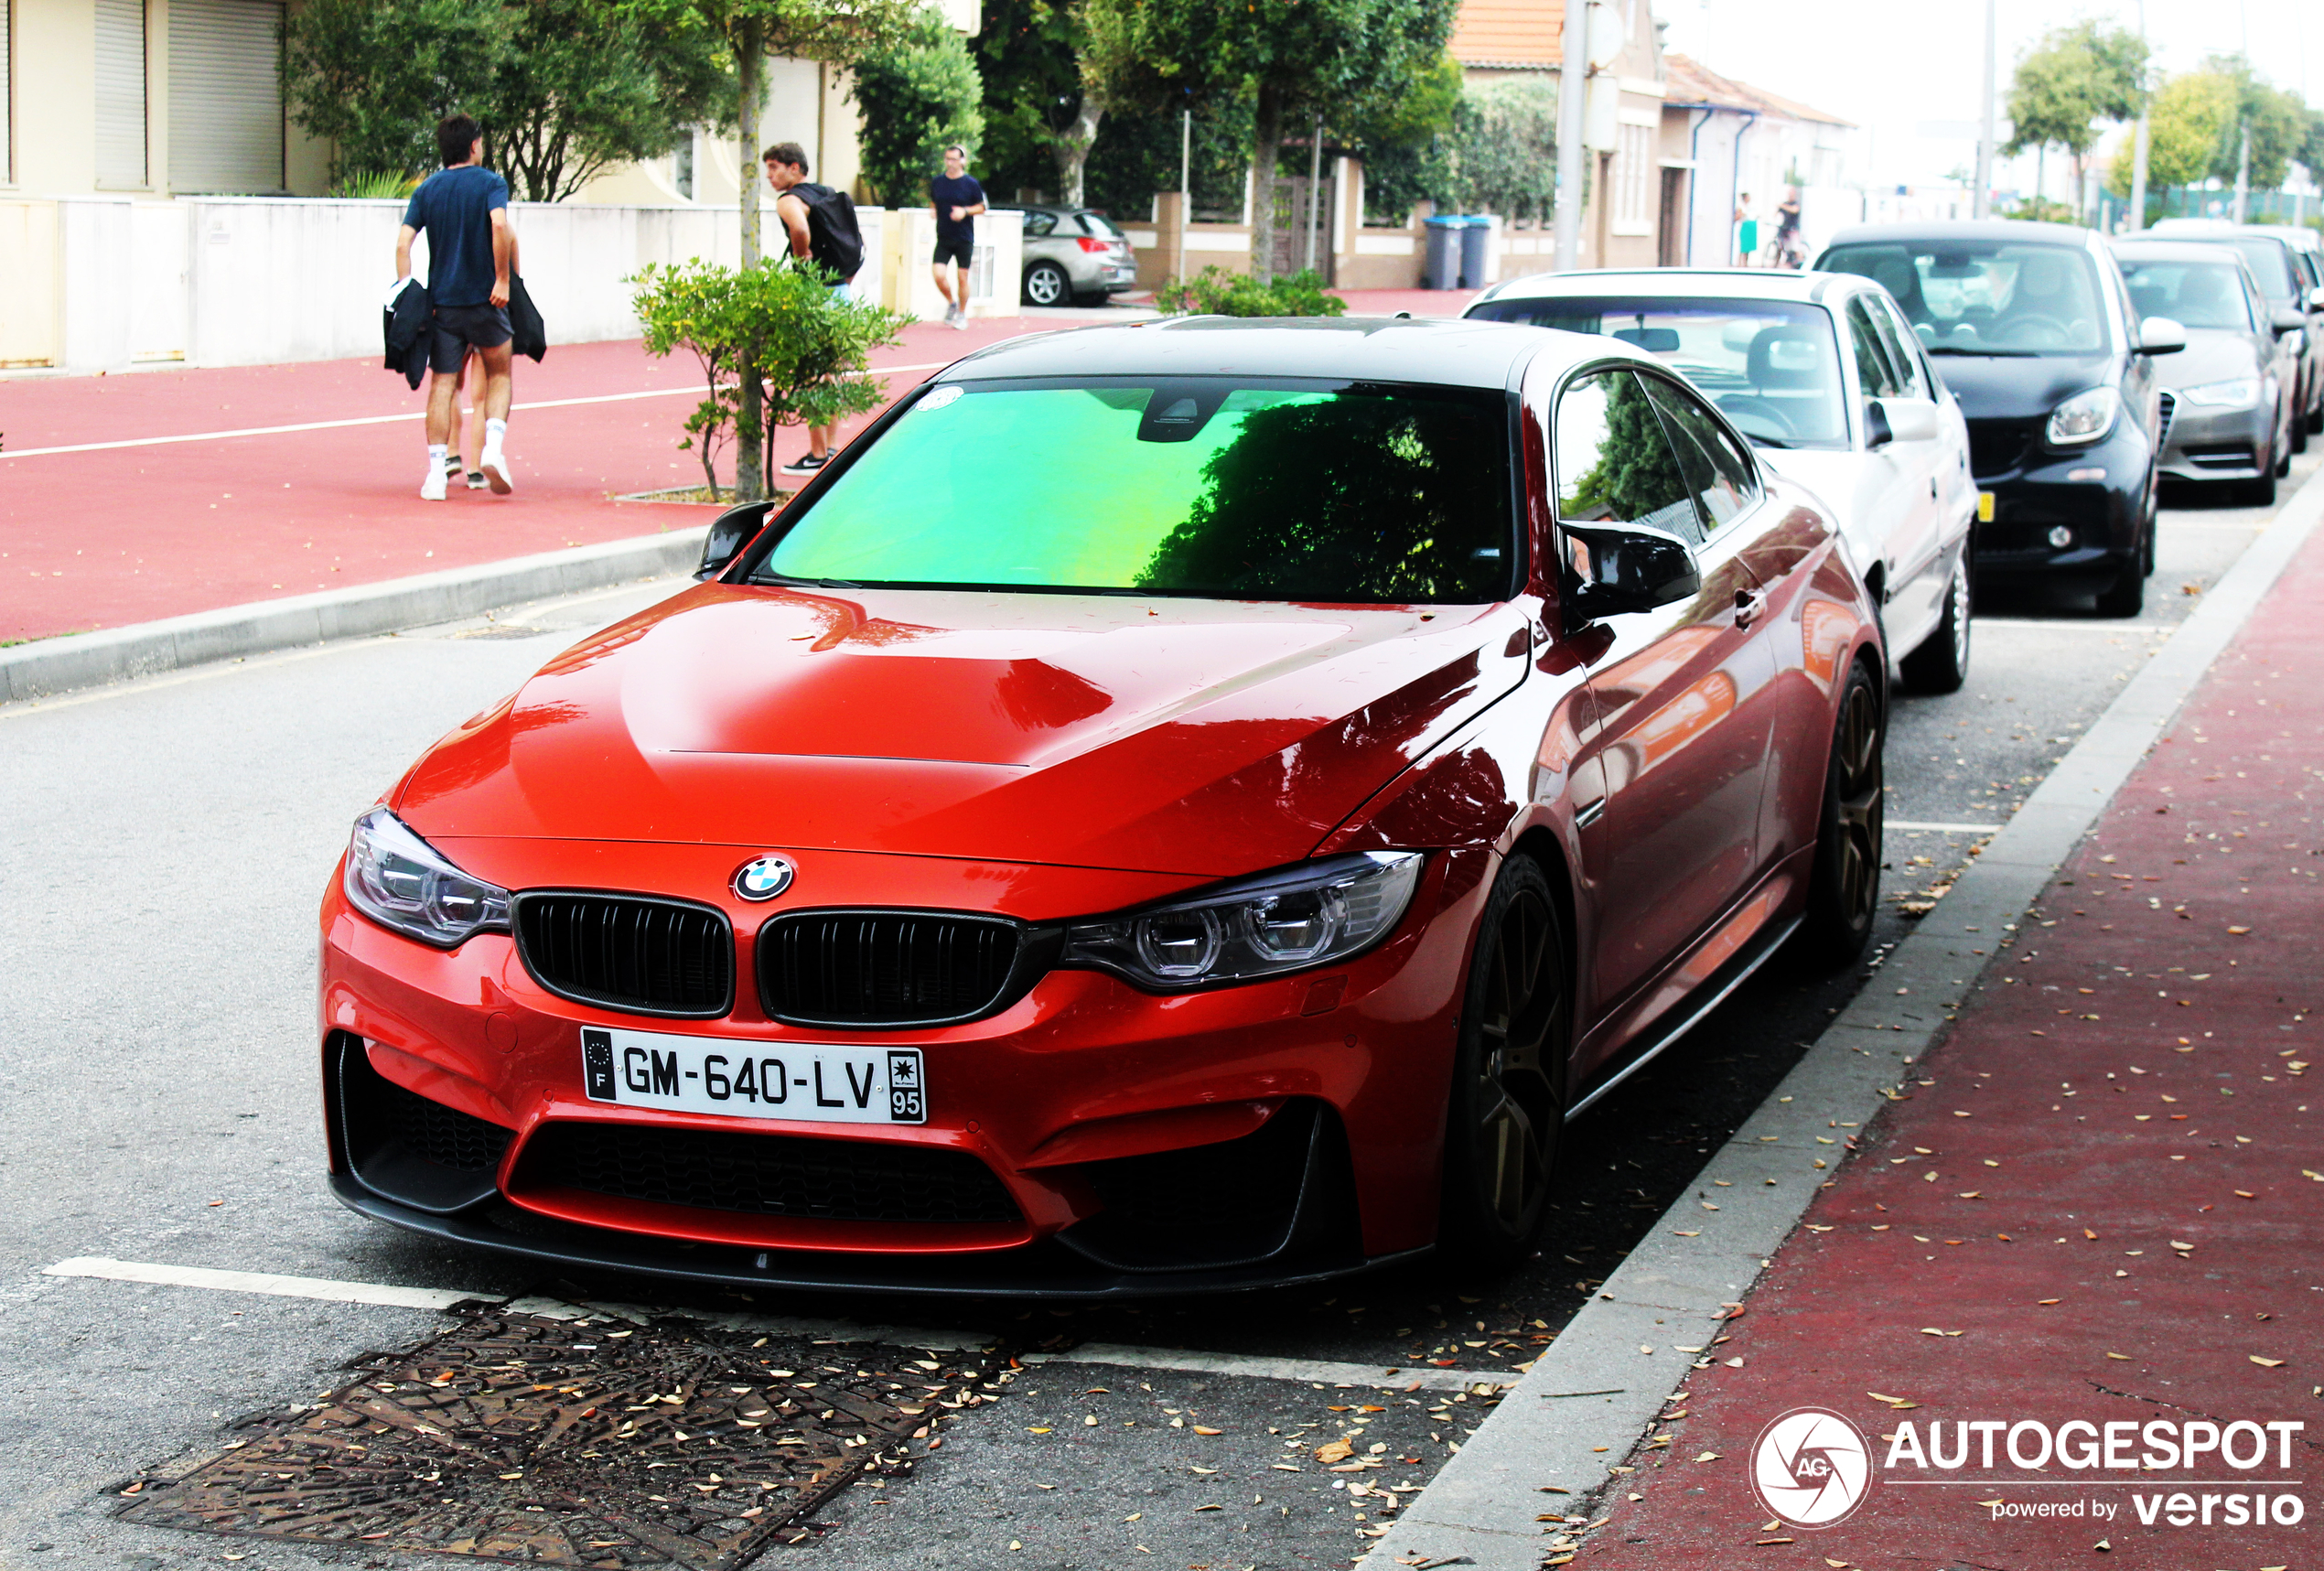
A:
(1205, 738)
(2002, 387)
(2212, 354)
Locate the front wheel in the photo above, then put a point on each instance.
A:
(1844, 885)
(1507, 1102)
(1046, 283)
(1942, 663)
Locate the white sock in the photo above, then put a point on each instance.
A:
(437, 452)
(493, 431)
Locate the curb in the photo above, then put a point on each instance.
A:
(51, 666)
(1588, 1401)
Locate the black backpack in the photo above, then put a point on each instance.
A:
(833, 239)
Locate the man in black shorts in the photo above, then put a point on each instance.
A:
(958, 198)
(464, 211)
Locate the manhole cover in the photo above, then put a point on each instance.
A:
(580, 1442)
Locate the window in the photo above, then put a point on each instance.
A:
(7, 91)
(2193, 295)
(225, 96)
(1904, 350)
(1632, 178)
(1614, 465)
(1872, 368)
(1987, 297)
(1209, 486)
(2270, 262)
(121, 94)
(1717, 472)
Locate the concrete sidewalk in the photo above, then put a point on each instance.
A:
(2097, 1199)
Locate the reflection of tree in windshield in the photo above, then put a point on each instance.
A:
(1636, 473)
(1354, 498)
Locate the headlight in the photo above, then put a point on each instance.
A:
(2239, 394)
(2084, 418)
(403, 883)
(1286, 920)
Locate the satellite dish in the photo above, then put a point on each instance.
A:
(1608, 34)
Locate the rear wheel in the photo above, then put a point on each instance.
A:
(1508, 1100)
(1845, 887)
(1942, 663)
(1047, 285)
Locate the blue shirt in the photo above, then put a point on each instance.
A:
(454, 208)
(949, 193)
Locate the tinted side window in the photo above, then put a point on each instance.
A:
(1902, 347)
(1039, 223)
(1614, 464)
(1718, 474)
(1872, 367)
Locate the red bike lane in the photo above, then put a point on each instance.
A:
(2100, 1202)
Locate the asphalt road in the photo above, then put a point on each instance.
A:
(162, 848)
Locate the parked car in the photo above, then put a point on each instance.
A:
(1240, 876)
(2033, 329)
(1821, 371)
(2283, 262)
(1073, 255)
(2227, 396)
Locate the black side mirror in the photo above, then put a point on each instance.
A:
(730, 532)
(1877, 431)
(1626, 567)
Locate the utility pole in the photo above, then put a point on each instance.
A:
(750, 460)
(2243, 174)
(2138, 141)
(1572, 77)
(1981, 207)
(1315, 187)
(1185, 185)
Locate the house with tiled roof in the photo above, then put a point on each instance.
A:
(1748, 148)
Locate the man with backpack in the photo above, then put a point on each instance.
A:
(820, 223)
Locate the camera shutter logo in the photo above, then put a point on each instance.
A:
(762, 879)
(1811, 1467)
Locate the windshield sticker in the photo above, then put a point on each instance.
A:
(940, 398)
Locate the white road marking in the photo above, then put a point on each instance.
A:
(2074, 624)
(380, 419)
(1910, 827)
(330, 1290)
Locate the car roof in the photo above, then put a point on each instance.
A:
(2170, 249)
(2014, 231)
(1705, 283)
(2299, 239)
(1446, 353)
(1039, 208)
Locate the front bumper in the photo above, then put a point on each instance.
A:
(1274, 1131)
(2206, 444)
(2098, 495)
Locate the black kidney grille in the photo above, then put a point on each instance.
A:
(629, 953)
(444, 1135)
(771, 1175)
(888, 968)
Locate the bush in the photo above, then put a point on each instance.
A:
(918, 99)
(809, 350)
(1215, 292)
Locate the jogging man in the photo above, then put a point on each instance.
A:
(957, 199)
(814, 217)
(464, 211)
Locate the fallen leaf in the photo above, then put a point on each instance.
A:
(2102, 1543)
(1989, 1502)
(1932, 1331)
(1200, 1430)
(2238, 930)
(2265, 1362)
(1684, 1233)
(1708, 1456)
(1335, 1451)
(2046, 1300)
(2124, 1356)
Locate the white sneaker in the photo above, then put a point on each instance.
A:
(960, 317)
(496, 471)
(431, 485)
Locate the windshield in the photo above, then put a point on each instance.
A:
(2270, 262)
(1969, 296)
(1098, 223)
(1216, 487)
(2192, 294)
(1770, 366)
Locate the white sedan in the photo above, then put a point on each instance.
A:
(1822, 372)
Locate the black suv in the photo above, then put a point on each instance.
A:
(2031, 327)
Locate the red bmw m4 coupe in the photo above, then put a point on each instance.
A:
(1171, 808)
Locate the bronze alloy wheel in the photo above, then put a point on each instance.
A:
(1507, 1106)
(1846, 885)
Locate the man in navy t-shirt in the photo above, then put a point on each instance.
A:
(464, 211)
(958, 198)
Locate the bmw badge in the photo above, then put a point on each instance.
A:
(762, 877)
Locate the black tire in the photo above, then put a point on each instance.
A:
(1942, 663)
(1844, 890)
(2315, 417)
(2284, 456)
(1047, 285)
(2260, 493)
(1508, 1101)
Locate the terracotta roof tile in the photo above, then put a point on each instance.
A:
(1692, 82)
(1520, 33)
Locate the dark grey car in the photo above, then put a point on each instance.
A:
(2284, 283)
(1073, 255)
(2228, 397)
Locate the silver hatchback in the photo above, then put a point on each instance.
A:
(1073, 255)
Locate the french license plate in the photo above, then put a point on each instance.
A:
(817, 1081)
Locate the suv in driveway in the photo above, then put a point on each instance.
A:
(1073, 255)
(2033, 329)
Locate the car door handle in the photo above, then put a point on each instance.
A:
(1750, 604)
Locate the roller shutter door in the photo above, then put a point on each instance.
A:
(121, 94)
(225, 96)
(7, 94)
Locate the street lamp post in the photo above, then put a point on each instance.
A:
(1982, 205)
(1572, 75)
(2138, 140)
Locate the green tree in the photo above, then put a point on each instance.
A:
(918, 96)
(1291, 58)
(1045, 95)
(2075, 77)
(776, 324)
(564, 89)
(2278, 121)
(2189, 115)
